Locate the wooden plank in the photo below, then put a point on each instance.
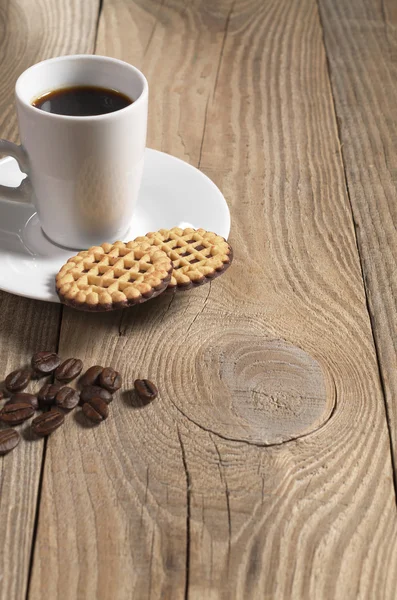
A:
(29, 32)
(185, 498)
(25, 327)
(361, 43)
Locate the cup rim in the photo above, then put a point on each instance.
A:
(81, 119)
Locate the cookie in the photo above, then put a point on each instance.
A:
(113, 276)
(197, 255)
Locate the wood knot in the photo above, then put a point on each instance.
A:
(256, 390)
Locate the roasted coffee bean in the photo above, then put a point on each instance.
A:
(91, 391)
(25, 397)
(91, 376)
(9, 439)
(15, 413)
(145, 389)
(67, 398)
(18, 380)
(47, 394)
(48, 422)
(110, 380)
(45, 363)
(96, 410)
(69, 369)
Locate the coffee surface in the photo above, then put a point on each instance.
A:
(82, 101)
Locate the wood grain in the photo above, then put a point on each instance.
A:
(29, 32)
(362, 47)
(155, 503)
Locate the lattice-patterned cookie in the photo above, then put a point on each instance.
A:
(197, 255)
(113, 276)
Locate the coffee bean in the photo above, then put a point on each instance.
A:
(47, 394)
(145, 389)
(16, 413)
(96, 410)
(18, 380)
(9, 439)
(91, 391)
(48, 422)
(67, 398)
(24, 397)
(110, 380)
(69, 369)
(91, 376)
(45, 363)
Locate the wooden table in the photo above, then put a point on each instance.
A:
(266, 469)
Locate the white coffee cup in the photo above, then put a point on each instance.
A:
(83, 173)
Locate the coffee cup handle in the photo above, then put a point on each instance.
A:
(22, 193)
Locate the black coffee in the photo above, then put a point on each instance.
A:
(82, 101)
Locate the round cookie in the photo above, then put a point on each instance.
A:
(113, 276)
(197, 255)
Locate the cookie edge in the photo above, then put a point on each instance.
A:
(97, 308)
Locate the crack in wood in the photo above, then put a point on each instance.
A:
(36, 518)
(144, 504)
(41, 479)
(202, 137)
(100, 8)
(153, 29)
(169, 306)
(188, 515)
(227, 23)
(227, 494)
(201, 311)
(150, 563)
(122, 330)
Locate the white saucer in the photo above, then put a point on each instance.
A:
(173, 193)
